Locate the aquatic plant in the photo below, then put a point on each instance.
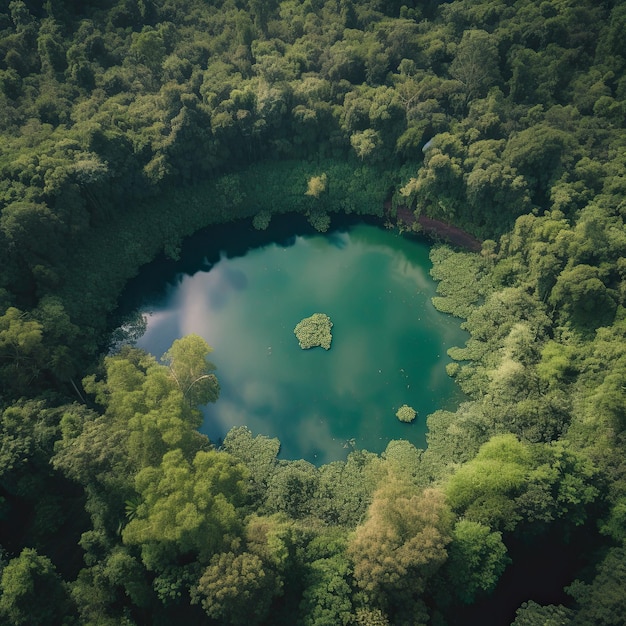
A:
(314, 331)
(406, 414)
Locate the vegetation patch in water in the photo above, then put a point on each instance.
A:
(406, 413)
(314, 331)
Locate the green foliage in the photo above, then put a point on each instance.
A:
(405, 460)
(583, 298)
(370, 617)
(258, 454)
(326, 598)
(401, 543)
(238, 587)
(475, 63)
(101, 590)
(262, 220)
(186, 507)
(145, 399)
(127, 127)
(319, 220)
(461, 280)
(602, 600)
(509, 482)
(20, 349)
(314, 331)
(291, 489)
(235, 589)
(366, 143)
(32, 592)
(188, 366)
(344, 489)
(477, 559)
(406, 414)
(485, 488)
(531, 613)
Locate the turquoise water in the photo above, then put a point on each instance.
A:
(389, 343)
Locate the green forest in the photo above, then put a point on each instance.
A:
(128, 125)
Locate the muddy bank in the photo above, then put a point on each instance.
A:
(439, 230)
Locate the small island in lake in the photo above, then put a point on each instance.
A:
(314, 331)
(406, 414)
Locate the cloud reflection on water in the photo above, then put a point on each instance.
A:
(388, 348)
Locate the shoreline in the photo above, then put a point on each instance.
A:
(437, 229)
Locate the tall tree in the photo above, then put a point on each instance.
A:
(31, 592)
(186, 508)
(475, 63)
(401, 544)
(193, 374)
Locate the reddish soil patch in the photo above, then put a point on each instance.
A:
(438, 229)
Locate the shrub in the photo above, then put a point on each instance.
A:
(406, 414)
(314, 331)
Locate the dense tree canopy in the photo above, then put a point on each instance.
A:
(127, 125)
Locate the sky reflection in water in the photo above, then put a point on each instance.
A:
(389, 343)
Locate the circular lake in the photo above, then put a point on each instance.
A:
(388, 349)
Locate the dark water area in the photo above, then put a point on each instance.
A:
(203, 249)
(244, 291)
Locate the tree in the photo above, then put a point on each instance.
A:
(192, 373)
(50, 47)
(186, 507)
(258, 454)
(454, 438)
(326, 597)
(538, 153)
(475, 63)
(484, 489)
(317, 185)
(492, 186)
(560, 487)
(477, 559)
(602, 600)
(366, 144)
(531, 614)
(405, 460)
(235, 589)
(319, 219)
(143, 400)
(59, 333)
(103, 590)
(438, 189)
(31, 229)
(345, 489)
(401, 544)
(291, 489)
(21, 350)
(582, 297)
(510, 483)
(145, 417)
(148, 48)
(33, 593)
(262, 220)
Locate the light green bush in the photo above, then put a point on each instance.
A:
(314, 331)
(406, 414)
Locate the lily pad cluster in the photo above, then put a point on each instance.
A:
(406, 413)
(314, 331)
